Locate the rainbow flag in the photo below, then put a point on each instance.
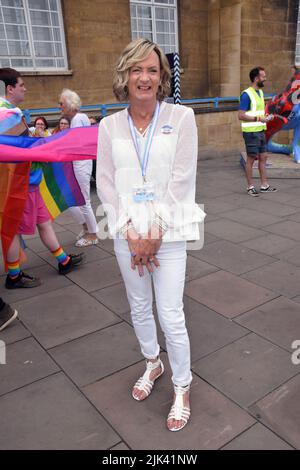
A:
(79, 143)
(10, 115)
(13, 193)
(59, 187)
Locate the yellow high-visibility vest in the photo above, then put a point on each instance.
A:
(257, 109)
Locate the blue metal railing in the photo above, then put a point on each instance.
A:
(104, 108)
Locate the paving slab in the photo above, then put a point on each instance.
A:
(121, 446)
(51, 414)
(50, 278)
(277, 320)
(197, 268)
(251, 217)
(64, 238)
(291, 256)
(268, 205)
(247, 369)
(217, 206)
(231, 231)
(295, 217)
(288, 228)
(14, 332)
(227, 294)
(280, 411)
(65, 314)
(142, 424)
(91, 253)
(114, 298)
(232, 257)
(208, 331)
(271, 244)
(258, 437)
(96, 275)
(26, 362)
(99, 354)
(32, 261)
(281, 277)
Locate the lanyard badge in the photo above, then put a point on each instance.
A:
(146, 191)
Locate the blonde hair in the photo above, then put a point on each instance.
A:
(134, 52)
(72, 100)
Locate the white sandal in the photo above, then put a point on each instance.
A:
(178, 411)
(81, 234)
(86, 242)
(144, 383)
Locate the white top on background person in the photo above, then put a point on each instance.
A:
(80, 120)
(70, 103)
(146, 171)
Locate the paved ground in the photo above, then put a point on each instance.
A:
(73, 357)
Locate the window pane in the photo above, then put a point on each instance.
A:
(44, 49)
(163, 39)
(18, 48)
(41, 34)
(56, 34)
(45, 62)
(162, 26)
(133, 11)
(144, 12)
(16, 32)
(39, 18)
(162, 13)
(13, 16)
(12, 3)
(58, 50)
(133, 24)
(38, 4)
(22, 63)
(60, 63)
(54, 18)
(53, 5)
(144, 25)
(3, 48)
(2, 33)
(4, 63)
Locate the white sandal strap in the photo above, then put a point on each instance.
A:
(178, 411)
(144, 383)
(86, 242)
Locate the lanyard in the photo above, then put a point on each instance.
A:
(144, 160)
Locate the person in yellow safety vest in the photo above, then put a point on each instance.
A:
(253, 120)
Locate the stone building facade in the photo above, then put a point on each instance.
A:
(219, 42)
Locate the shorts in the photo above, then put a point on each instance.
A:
(255, 143)
(35, 212)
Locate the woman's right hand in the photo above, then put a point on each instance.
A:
(141, 252)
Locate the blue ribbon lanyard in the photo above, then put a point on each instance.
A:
(145, 158)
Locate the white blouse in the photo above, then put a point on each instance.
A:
(172, 168)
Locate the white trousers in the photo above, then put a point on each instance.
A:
(168, 282)
(84, 214)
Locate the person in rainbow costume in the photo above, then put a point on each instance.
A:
(25, 188)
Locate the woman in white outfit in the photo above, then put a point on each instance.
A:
(70, 104)
(146, 172)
